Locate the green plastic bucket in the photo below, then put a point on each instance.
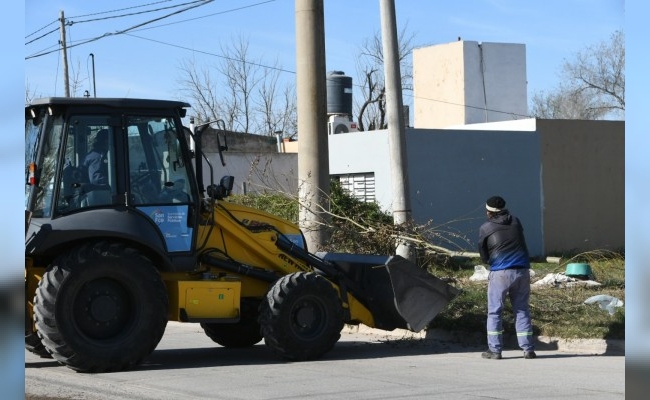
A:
(578, 270)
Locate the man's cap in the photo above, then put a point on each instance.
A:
(495, 204)
(102, 136)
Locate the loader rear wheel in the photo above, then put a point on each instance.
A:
(301, 316)
(245, 333)
(101, 307)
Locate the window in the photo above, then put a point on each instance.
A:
(361, 186)
(157, 170)
(46, 171)
(88, 178)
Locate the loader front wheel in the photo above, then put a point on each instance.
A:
(301, 316)
(101, 307)
(245, 333)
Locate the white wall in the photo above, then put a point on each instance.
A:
(256, 172)
(468, 82)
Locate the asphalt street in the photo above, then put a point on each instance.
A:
(364, 364)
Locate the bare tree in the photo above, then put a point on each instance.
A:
(565, 103)
(249, 96)
(371, 110)
(275, 105)
(593, 85)
(30, 94)
(599, 71)
(242, 76)
(200, 89)
(77, 81)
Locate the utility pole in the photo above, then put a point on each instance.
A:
(396, 130)
(313, 155)
(66, 81)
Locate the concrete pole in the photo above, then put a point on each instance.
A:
(313, 155)
(396, 130)
(66, 81)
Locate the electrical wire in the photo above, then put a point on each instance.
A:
(40, 29)
(210, 54)
(121, 9)
(468, 106)
(42, 36)
(140, 12)
(138, 27)
(211, 15)
(88, 15)
(201, 3)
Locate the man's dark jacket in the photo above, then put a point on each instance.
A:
(501, 242)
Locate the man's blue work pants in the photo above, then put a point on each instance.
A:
(515, 283)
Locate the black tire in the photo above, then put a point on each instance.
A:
(301, 316)
(33, 344)
(101, 307)
(245, 333)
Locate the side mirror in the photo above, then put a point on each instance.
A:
(222, 126)
(223, 189)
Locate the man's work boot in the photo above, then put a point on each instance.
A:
(529, 355)
(491, 355)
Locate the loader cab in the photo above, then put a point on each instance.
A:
(110, 167)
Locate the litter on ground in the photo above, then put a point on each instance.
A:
(605, 302)
(561, 280)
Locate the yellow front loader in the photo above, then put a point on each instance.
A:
(109, 263)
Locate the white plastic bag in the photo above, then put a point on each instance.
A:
(605, 302)
(480, 274)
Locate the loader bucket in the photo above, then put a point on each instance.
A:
(398, 293)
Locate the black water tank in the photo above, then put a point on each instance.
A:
(339, 93)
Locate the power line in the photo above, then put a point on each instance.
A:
(121, 9)
(40, 29)
(204, 2)
(88, 15)
(70, 21)
(42, 36)
(293, 72)
(136, 13)
(211, 54)
(468, 106)
(45, 52)
(211, 15)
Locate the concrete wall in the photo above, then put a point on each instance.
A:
(564, 179)
(257, 172)
(451, 174)
(438, 86)
(583, 180)
(254, 162)
(468, 82)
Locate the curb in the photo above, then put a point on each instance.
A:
(544, 343)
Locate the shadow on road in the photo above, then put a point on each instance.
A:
(260, 354)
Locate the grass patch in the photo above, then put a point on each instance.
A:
(556, 311)
(361, 228)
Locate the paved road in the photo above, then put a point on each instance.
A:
(188, 365)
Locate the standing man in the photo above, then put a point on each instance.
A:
(502, 245)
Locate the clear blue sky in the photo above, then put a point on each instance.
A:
(145, 62)
(552, 30)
